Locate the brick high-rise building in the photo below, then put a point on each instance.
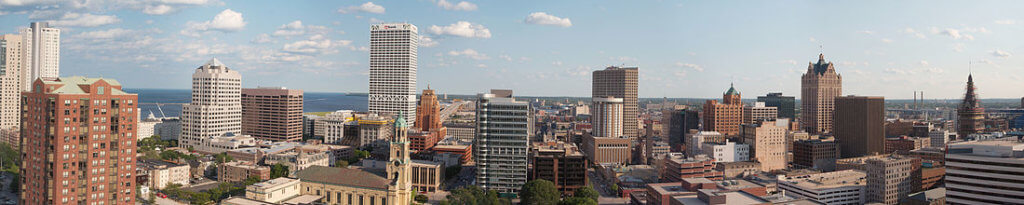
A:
(620, 82)
(561, 163)
(786, 104)
(78, 149)
(970, 114)
(724, 117)
(819, 154)
(10, 89)
(859, 125)
(818, 89)
(428, 112)
(892, 178)
(272, 113)
(767, 144)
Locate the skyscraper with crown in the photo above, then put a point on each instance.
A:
(970, 114)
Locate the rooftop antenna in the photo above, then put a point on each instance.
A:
(821, 48)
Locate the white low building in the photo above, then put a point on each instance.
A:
(832, 188)
(274, 190)
(162, 173)
(727, 152)
(223, 143)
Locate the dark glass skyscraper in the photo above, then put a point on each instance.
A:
(785, 104)
(679, 122)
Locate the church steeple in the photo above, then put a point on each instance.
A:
(399, 171)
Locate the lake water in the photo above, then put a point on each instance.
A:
(172, 99)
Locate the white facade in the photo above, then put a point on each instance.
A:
(10, 88)
(332, 126)
(299, 160)
(216, 107)
(986, 172)
(727, 152)
(393, 69)
(832, 188)
(162, 174)
(41, 48)
(695, 141)
(146, 127)
(224, 143)
(607, 117)
(939, 138)
(274, 190)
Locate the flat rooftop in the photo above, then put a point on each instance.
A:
(274, 183)
(828, 180)
(989, 148)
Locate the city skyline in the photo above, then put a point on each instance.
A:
(761, 47)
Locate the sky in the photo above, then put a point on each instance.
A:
(689, 49)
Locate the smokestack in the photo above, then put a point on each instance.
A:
(915, 100)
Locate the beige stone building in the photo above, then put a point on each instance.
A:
(163, 173)
(10, 89)
(759, 112)
(608, 149)
(274, 190)
(296, 160)
(272, 113)
(892, 178)
(767, 145)
(818, 89)
(238, 171)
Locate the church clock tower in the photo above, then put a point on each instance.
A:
(399, 171)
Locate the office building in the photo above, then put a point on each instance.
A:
(10, 89)
(724, 117)
(239, 171)
(78, 125)
(859, 125)
(939, 138)
(374, 131)
(606, 117)
(501, 147)
(840, 187)
(818, 89)
(759, 113)
(727, 152)
(620, 82)
(393, 69)
(904, 144)
(738, 169)
(427, 176)
(695, 141)
(767, 145)
(970, 114)
(608, 149)
(216, 107)
(462, 131)
(677, 167)
(41, 48)
(296, 160)
(272, 113)
(892, 178)
(931, 176)
(561, 163)
(677, 123)
(984, 172)
(333, 126)
(786, 105)
(818, 154)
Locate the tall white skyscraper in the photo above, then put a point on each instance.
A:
(41, 48)
(393, 69)
(10, 89)
(502, 142)
(216, 107)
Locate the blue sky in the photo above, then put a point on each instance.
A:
(549, 48)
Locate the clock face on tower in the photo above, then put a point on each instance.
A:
(396, 162)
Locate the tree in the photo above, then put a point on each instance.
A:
(341, 164)
(474, 195)
(278, 170)
(223, 157)
(578, 201)
(421, 198)
(587, 192)
(541, 192)
(615, 189)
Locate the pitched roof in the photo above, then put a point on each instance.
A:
(342, 177)
(71, 84)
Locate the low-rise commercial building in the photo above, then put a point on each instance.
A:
(608, 149)
(678, 167)
(160, 174)
(223, 143)
(838, 187)
(296, 160)
(820, 154)
(904, 144)
(561, 163)
(274, 190)
(738, 169)
(238, 171)
(727, 152)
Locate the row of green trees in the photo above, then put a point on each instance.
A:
(536, 192)
(211, 196)
(10, 159)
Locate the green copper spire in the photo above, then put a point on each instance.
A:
(400, 121)
(732, 90)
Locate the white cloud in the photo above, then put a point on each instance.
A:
(958, 47)
(192, 2)
(622, 58)
(1006, 22)
(541, 18)
(886, 40)
(461, 6)
(427, 41)
(505, 57)
(462, 29)
(481, 65)
(262, 38)
(915, 33)
(469, 53)
(964, 33)
(866, 32)
(1000, 53)
(695, 67)
(157, 9)
(226, 21)
(71, 19)
(104, 34)
(368, 7)
(315, 45)
(557, 63)
(290, 29)
(813, 40)
(924, 63)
